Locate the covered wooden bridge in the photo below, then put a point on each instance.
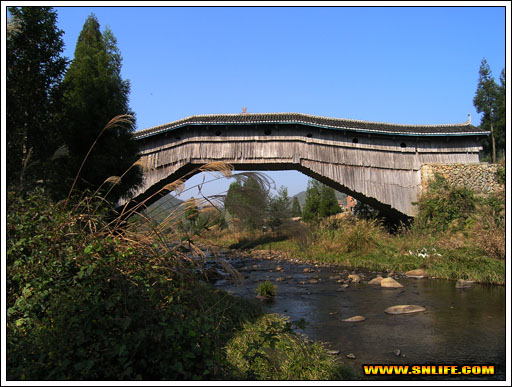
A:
(377, 163)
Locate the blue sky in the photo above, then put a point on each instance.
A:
(415, 65)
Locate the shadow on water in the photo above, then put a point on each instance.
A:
(459, 326)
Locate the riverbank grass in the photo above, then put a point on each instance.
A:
(362, 244)
(457, 234)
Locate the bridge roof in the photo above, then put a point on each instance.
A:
(461, 129)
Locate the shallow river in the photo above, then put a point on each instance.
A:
(459, 326)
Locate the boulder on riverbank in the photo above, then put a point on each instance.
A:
(418, 273)
(376, 281)
(354, 278)
(390, 283)
(404, 309)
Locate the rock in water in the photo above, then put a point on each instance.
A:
(404, 309)
(461, 284)
(354, 278)
(418, 273)
(390, 283)
(376, 281)
(351, 356)
(355, 319)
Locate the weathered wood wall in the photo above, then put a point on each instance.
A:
(383, 170)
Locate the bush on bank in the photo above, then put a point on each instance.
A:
(268, 349)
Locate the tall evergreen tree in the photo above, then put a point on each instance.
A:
(320, 201)
(279, 208)
(328, 202)
(247, 200)
(486, 101)
(311, 205)
(501, 116)
(296, 210)
(95, 93)
(34, 73)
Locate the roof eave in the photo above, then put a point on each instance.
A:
(358, 130)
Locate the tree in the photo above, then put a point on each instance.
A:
(279, 209)
(487, 101)
(501, 116)
(320, 202)
(296, 210)
(34, 74)
(247, 200)
(94, 94)
(311, 205)
(328, 202)
(191, 211)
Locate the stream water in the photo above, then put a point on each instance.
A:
(459, 326)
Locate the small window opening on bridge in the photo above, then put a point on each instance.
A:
(403, 145)
(355, 140)
(267, 132)
(309, 135)
(218, 133)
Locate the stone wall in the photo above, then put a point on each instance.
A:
(478, 177)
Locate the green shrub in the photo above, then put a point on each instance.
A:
(269, 349)
(501, 175)
(266, 289)
(444, 206)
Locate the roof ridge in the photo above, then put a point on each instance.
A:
(350, 120)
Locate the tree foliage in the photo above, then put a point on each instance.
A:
(247, 200)
(94, 94)
(490, 100)
(34, 73)
(279, 209)
(296, 210)
(320, 202)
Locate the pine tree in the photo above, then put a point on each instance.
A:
(34, 74)
(486, 102)
(296, 210)
(95, 93)
(279, 209)
(320, 202)
(328, 202)
(247, 200)
(501, 117)
(311, 205)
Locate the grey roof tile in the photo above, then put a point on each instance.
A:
(464, 128)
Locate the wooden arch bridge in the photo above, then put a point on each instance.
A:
(378, 163)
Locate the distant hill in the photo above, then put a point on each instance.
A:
(162, 207)
(302, 197)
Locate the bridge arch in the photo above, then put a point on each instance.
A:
(378, 163)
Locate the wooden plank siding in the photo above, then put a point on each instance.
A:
(382, 169)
